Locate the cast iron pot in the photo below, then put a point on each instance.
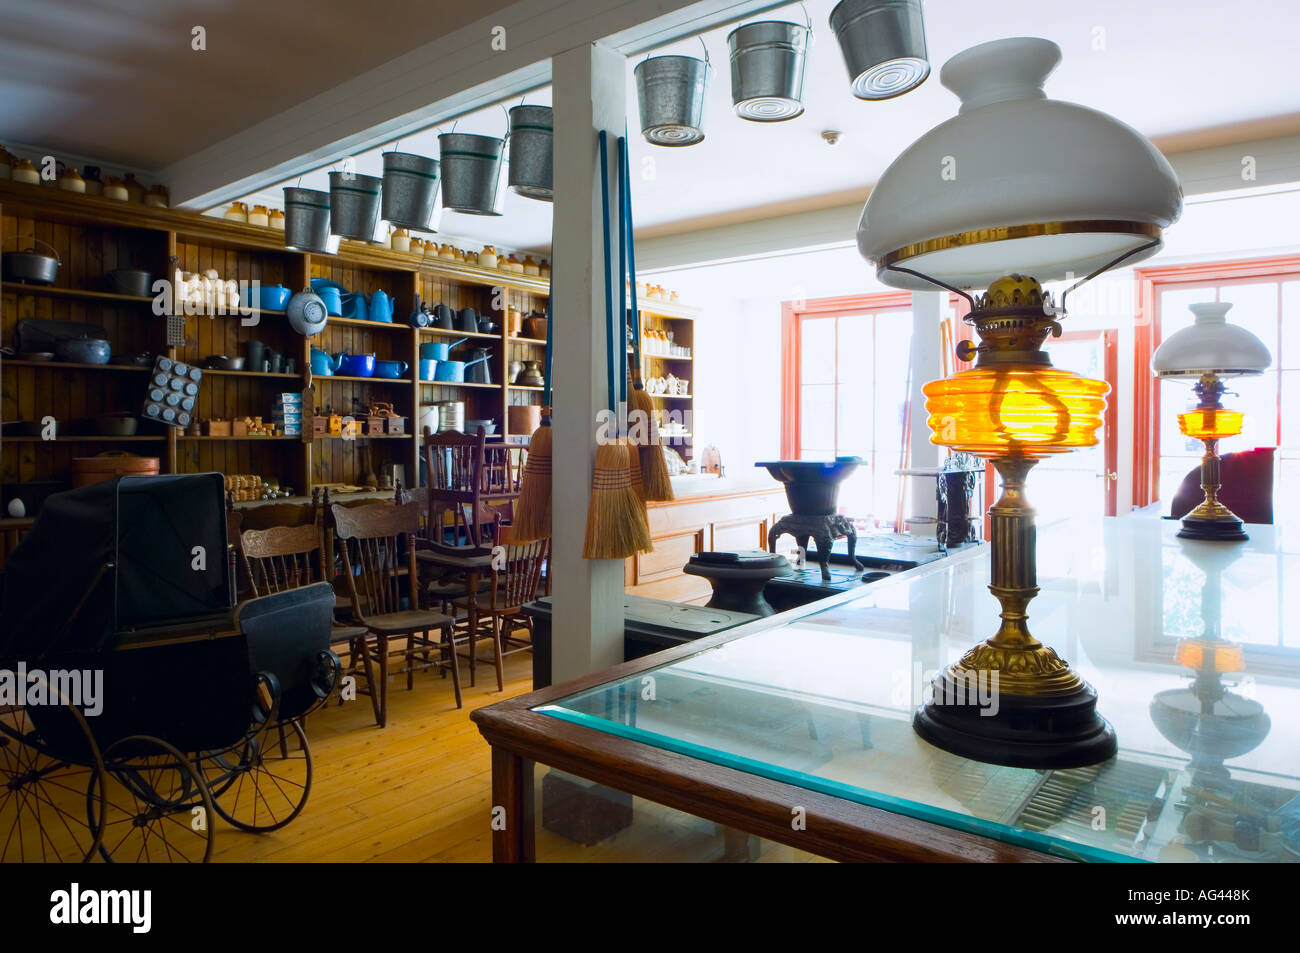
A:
(811, 486)
(131, 281)
(31, 266)
(84, 350)
(219, 362)
(117, 425)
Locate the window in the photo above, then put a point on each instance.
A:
(846, 394)
(1265, 296)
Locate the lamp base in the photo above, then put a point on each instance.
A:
(1228, 529)
(1020, 731)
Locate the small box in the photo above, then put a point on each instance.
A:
(396, 424)
(216, 428)
(289, 400)
(320, 425)
(239, 428)
(375, 425)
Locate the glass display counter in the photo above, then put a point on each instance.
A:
(791, 737)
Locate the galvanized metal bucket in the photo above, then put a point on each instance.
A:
(767, 67)
(410, 189)
(883, 42)
(471, 173)
(532, 152)
(306, 219)
(354, 205)
(670, 94)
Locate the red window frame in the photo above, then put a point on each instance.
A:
(1146, 389)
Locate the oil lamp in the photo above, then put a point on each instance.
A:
(1208, 352)
(1015, 182)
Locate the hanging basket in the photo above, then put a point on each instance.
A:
(471, 173)
(670, 94)
(306, 219)
(354, 205)
(410, 189)
(532, 152)
(883, 42)
(767, 68)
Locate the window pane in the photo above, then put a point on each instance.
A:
(817, 347)
(817, 416)
(1254, 307)
(893, 355)
(1290, 356)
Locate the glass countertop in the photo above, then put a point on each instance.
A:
(1208, 767)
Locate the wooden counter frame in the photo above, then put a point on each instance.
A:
(836, 828)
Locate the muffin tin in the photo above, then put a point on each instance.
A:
(173, 392)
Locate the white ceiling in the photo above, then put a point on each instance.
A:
(1190, 69)
(116, 79)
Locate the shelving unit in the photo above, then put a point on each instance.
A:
(94, 235)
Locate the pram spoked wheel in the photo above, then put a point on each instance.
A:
(262, 783)
(51, 804)
(157, 808)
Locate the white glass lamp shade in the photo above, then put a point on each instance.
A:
(1210, 346)
(1016, 182)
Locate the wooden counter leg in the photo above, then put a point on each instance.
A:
(513, 836)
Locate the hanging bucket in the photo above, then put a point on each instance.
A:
(883, 42)
(354, 205)
(410, 189)
(471, 173)
(767, 65)
(306, 219)
(670, 94)
(532, 152)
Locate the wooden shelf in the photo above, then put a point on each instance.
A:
(442, 332)
(68, 365)
(399, 382)
(453, 384)
(526, 387)
(663, 357)
(371, 436)
(86, 438)
(523, 340)
(247, 437)
(263, 374)
(673, 396)
(21, 288)
(373, 325)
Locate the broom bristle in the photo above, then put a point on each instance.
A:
(533, 508)
(654, 471)
(634, 475)
(615, 526)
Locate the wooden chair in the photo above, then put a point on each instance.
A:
(288, 557)
(377, 546)
(511, 587)
(455, 464)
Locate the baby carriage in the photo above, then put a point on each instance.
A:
(135, 702)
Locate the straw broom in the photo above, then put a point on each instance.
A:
(616, 526)
(654, 471)
(533, 509)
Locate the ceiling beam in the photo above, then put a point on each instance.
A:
(445, 78)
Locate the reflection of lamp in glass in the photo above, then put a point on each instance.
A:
(1207, 352)
(1055, 190)
(1206, 720)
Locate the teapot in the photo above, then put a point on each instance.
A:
(322, 365)
(381, 307)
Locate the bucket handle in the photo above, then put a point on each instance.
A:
(708, 63)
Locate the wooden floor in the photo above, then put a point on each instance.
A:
(420, 790)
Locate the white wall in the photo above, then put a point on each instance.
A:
(738, 337)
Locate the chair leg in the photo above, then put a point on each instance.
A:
(362, 651)
(383, 680)
(496, 652)
(410, 660)
(449, 634)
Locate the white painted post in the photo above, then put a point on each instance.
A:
(589, 94)
(927, 312)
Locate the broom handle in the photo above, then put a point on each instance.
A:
(631, 271)
(622, 270)
(609, 292)
(550, 351)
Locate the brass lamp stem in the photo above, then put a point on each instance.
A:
(1024, 666)
(1014, 554)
